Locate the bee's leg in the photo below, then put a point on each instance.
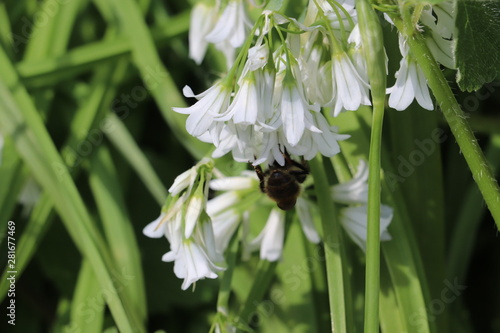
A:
(260, 174)
(302, 165)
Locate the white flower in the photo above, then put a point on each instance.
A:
(225, 217)
(211, 103)
(306, 220)
(258, 56)
(191, 263)
(243, 141)
(355, 223)
(232, 26)
(202, 21)
(183, 181)
(324, 141)
(333, 15)
(245, 181)
(194, 257)
(224, 224)
(441, 49)
(271, 238)
(187, 227)
(357, 54)
(446, 18)
(244, 107)
(354, 219)
(352, 90)
(267, 117)
(155, 229)
(295, 110)
(355, 190)
(318, 82)
(410, 83)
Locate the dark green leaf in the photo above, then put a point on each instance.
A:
(478, 43)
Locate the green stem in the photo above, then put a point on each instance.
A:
(333, 253)
(478, 165)
(373, 46)
(262, 280)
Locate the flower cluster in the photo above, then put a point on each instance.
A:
(199, 230)
(410, 80)
(282, 91)
(239, 200)
(271, 98)
(187, 227)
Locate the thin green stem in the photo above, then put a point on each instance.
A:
(333, 253)
(261, 282)
(478, 165)
(373, 46)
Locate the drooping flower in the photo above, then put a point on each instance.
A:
(211, 103)
(186, 225)
(411, 83)
(354, 218)
(222, 208)
(352, 90)
(306, 220)
(354, 221)
(244, 107)
(295, 110)
(203, 18)
(233, 25)
(324, 141)
(439, 38)
(271, 238)
(241, 198)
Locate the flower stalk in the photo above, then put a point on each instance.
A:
(336, 275)
(371, 34)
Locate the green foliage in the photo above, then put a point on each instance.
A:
(478, 43)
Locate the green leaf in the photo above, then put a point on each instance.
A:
(20, 120)
(87, 310)
(125, 143)
(477, 43)
(118, 228)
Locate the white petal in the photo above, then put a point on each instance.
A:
(169, 256)
(221, 203)
(402, 93)
(421, 90)
(257, 56)
(155, 229)
(201, 22)
(354, 220)
(441, 49)
(292, 113)
(224, 226)
(193, 211)
(274, 234)
(306, 221)
(182, 181)
(355, 190)
(232, 183)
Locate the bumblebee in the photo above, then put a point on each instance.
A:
(281, 183)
